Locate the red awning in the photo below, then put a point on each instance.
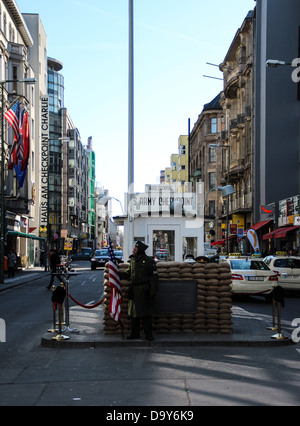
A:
(219, 243)
(223, 241)
(259, 225)
(271, 234)
(282, 232)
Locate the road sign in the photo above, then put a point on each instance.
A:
(297, 221)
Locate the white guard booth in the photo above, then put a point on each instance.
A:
(171, 223)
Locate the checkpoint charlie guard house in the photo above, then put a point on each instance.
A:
(171, 223)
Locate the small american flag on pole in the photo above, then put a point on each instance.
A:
(114, 283)
(12, 116)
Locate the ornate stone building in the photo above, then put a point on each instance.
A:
(205, 163)
(238, 106)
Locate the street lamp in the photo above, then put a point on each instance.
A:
(215, 145)
(103, 199)
(2, 183)
(274, 63)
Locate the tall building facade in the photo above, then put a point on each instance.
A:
(55, 183)
(17, 198)
(277, 118)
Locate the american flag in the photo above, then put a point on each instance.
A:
(114, 283)
(12, 116)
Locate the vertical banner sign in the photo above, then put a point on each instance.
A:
(44, 159)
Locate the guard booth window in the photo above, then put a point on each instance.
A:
(164, 245)
(189, 247)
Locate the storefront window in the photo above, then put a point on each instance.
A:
(164, 245)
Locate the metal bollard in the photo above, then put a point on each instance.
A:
(278, 335)
(273, 328)
(60, 300)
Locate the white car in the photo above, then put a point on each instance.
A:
(288, 270)
(251, 276)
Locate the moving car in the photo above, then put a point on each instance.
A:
(288, 270)
(100, 258)
(119, 256)
(251, 276)
(83, 254)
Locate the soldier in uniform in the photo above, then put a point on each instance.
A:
(142, 291)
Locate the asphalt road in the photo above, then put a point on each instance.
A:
(160, 378)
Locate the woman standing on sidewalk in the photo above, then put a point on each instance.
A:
(11, 263)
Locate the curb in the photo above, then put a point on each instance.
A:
(161, 341)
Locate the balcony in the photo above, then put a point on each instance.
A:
(241, 120)
(234, 126)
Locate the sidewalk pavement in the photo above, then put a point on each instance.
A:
(22, 276)
(85, 329)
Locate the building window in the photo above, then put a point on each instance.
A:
(164, 245)
(212, 180)
(15, 77)
(212, 208)
(182, 150)
(213, 125)
(212, 155)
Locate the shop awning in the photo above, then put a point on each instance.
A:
(270, 235)
(259, 225)
(282, 232)
(22, 234)
(223, 241)
(219, 243)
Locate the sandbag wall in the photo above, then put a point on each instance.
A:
(214, 300)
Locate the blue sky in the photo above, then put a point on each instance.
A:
(173, 41)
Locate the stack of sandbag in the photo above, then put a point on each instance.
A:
(213, 300)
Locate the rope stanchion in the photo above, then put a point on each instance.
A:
(58, 299)
(273, 328)
(53, 330)
(86, 306)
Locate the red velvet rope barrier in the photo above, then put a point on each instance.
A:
(87, 306)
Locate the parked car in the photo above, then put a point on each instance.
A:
(83, 254)
(251, 276)
(161, 254)
(288, 270)
(100, 258)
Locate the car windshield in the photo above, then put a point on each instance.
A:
(246, 264)
(101, 252)
(118, 253)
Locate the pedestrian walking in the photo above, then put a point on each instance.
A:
(11, 263)
(142, 292)
(54, 261)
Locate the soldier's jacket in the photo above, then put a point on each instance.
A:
(144, 278)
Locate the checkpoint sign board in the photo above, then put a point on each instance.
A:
(68, 244)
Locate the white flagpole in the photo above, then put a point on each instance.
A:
(131, 131)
